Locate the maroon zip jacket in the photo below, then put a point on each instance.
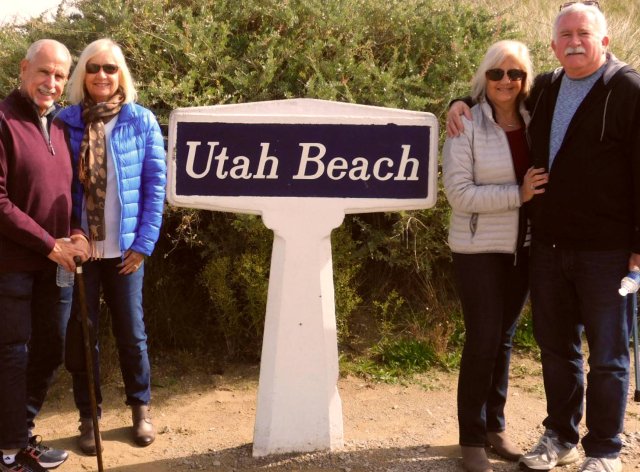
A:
(35, 186)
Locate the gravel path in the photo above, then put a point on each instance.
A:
(205, 423)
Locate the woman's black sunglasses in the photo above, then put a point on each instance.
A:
(498, 74)
(92, 68)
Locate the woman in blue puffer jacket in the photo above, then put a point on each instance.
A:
(119, 187)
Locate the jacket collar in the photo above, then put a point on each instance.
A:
(24, 102)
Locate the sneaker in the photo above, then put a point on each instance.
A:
(47, 457)
(601, 464)
(22, 463)
(547, 454)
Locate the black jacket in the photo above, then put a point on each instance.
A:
(592, 200)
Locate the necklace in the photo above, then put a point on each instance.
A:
(501, 119)
(508, 125)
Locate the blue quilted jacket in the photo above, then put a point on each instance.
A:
(138, 149)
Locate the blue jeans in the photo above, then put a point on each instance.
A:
(492, 289)
(571, 292)
(123, 296)
(33, 316)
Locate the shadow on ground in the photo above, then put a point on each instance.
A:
(239, 459)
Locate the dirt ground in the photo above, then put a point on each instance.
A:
(205, 423)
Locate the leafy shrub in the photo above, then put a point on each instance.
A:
(206, 283)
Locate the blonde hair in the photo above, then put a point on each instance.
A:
(495, 55)
(76, 90)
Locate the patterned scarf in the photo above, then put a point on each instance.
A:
(92, 167)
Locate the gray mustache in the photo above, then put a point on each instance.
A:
(577, 50)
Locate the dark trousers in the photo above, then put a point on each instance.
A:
(493, 289)
(571, 292)
(123, 295)
(33, 319)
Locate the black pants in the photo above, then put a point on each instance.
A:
(492, 289)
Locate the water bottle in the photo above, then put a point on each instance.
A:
(630, 283)
(64, 278)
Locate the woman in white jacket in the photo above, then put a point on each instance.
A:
(487, 180)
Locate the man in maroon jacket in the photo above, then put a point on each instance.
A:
(35, 227)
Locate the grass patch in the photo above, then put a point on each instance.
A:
(523, 338)
(394, 361)
(522, 370)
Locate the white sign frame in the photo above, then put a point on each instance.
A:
(298, 406)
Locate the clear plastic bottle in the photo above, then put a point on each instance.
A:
(630, 283)
(64, 278)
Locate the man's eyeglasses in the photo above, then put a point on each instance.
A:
(513, 74)
(109, 69)
(591, 3)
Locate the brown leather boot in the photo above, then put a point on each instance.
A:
(87, 440)
(503, 446)
(143, 432)
(474, 459)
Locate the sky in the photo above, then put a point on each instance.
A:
(24, 9)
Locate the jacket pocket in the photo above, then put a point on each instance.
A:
(473, 224)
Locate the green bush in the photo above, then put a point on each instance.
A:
(235, 276)
(206, 283)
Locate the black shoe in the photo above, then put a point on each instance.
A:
(47, 457)
(22, 463)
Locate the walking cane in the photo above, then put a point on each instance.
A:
(633, 306)
(82, 300)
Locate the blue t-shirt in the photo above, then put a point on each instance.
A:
(571, 95)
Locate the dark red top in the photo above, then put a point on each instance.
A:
(35, 186)
(519, 152)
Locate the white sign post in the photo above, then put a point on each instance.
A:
(301, 164)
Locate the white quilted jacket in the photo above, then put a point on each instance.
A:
(480, 184)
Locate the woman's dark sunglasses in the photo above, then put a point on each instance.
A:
(92, 68)
(513, 74)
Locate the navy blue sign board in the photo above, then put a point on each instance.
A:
(302, 160)
(227, 157)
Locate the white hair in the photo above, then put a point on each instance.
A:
(599, 21)
(496, 55)
(36, 46)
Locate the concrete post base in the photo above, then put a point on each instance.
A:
(299, 408)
